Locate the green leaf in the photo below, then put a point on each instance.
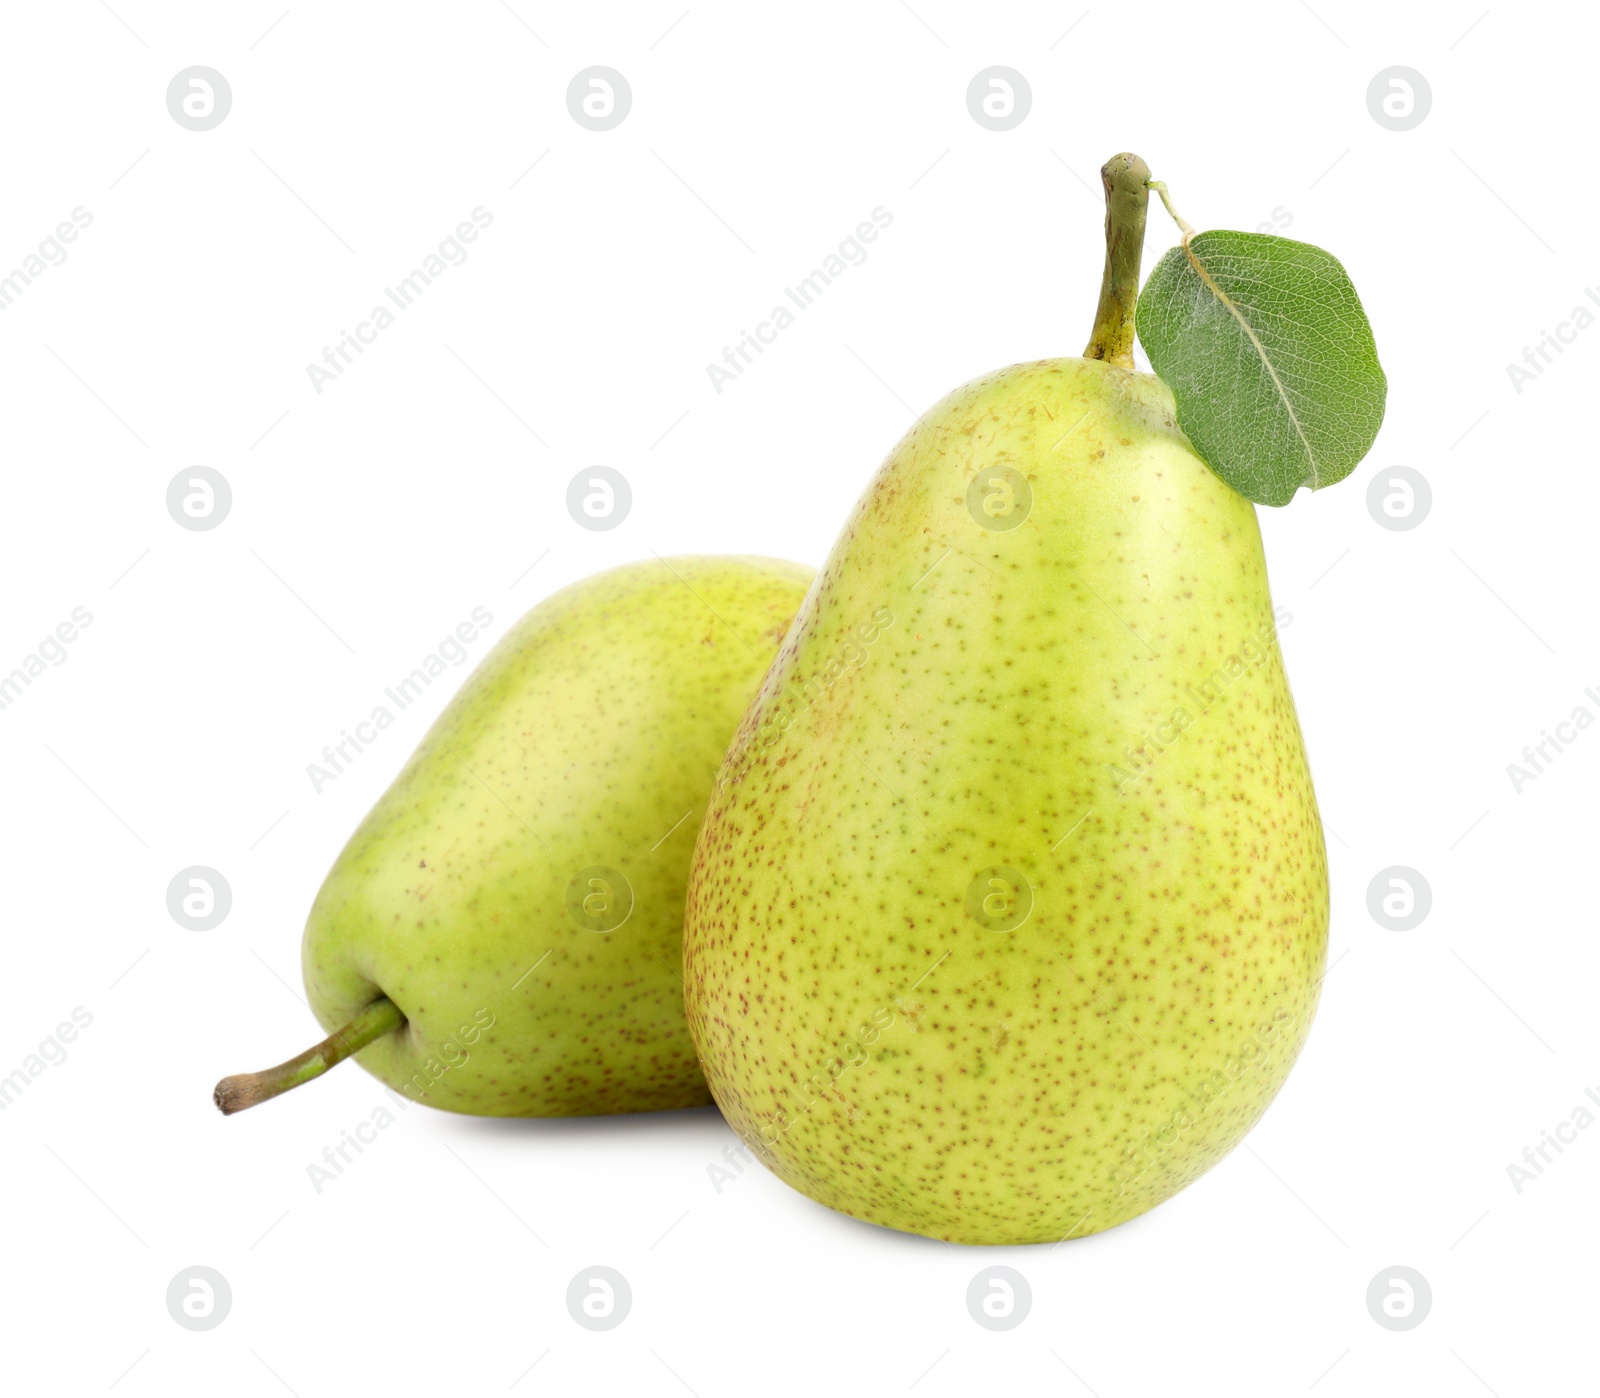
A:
(1267, 351)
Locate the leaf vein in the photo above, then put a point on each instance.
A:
(1261, 349)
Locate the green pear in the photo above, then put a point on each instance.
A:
(502, 935)
(1009, 912)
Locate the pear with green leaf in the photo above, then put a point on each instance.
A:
(502, 934)
(1009, 913)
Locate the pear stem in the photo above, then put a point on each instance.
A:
(1184, 226)
(234, 1094)
(1127, 184)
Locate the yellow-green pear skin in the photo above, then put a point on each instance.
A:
(1009, 913)
(518, 892)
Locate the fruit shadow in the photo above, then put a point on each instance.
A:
(686, 1123)
(1069, 1248)
(706, 1126)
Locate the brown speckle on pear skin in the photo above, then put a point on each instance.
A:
(588, 732)
(878, 1047)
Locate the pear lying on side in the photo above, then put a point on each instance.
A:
(503, 934)
(1009, 912)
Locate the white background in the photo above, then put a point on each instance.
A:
(430, 478)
